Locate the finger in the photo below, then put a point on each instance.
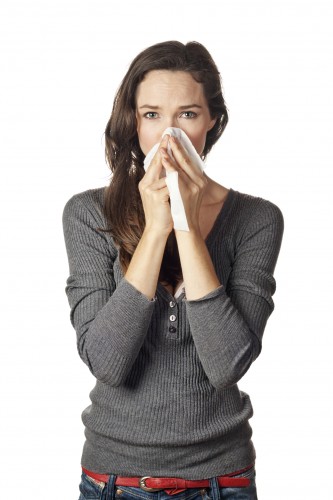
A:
(171, 165)
(156, 185)
(155, 195)
(184, 161)
(155, 167)
(167, 161)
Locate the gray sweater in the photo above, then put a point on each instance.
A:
(166, 400)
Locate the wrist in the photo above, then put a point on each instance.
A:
(157, 234)
(194, 234)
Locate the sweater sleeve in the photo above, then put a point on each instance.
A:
(110, 322)
(227, 324)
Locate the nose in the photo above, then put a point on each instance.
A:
(172, 121)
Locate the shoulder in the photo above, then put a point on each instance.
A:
(83, 219)
(89, 202)
(255, 221)
(251, 209)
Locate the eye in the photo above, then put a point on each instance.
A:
(150, 115)
(189, 114)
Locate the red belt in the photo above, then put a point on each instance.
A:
(173, 484)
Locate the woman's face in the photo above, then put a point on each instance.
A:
(171, 99)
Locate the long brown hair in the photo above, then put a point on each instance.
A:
(123, 207)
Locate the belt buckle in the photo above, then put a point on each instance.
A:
(142, 484)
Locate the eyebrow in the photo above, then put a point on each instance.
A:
(187, 106)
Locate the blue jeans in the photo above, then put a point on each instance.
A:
(91, 490)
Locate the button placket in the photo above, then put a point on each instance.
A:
(173, 319)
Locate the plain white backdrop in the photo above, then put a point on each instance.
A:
(61, 63)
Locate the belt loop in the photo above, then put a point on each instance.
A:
(214, 488)
(110, 490)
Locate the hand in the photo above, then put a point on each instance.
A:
(192, 182)
(155, 196)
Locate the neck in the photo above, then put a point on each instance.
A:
(214, 193)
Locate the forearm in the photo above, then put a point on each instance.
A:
(110, 343)
(198, 271)
(225, 342)
(144, 268)
(116, 335)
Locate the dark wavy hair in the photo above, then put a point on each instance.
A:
(123, 207)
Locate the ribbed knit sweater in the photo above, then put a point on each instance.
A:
(166, 400)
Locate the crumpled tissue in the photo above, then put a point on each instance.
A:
(176, 202)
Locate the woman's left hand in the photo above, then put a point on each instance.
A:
(192, 182)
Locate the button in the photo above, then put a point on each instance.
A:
(172, 329)
(172, 303)
(173, 317)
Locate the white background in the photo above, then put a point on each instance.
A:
(61, 63)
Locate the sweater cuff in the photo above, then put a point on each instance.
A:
(134, 292)
(124, 321)
(211, 295)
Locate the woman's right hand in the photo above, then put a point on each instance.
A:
(144, 269)
(155, 196)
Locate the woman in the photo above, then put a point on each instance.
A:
(168, 321)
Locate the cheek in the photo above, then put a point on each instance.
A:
(198, 140)
(147, 137)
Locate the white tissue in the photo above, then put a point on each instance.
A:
(176, 202)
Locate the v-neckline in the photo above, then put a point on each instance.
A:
(221, 216)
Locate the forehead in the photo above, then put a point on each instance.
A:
(165, 84)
